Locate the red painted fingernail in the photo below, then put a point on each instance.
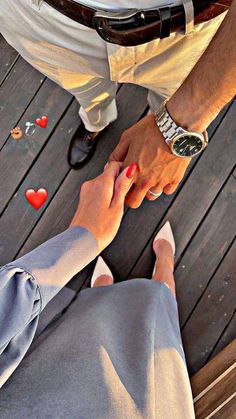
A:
(131, 170)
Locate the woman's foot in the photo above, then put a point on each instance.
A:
(164, 248)
(103, 281)
(102, 275)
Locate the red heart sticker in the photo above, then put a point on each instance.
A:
(42, 122)
(36, 198)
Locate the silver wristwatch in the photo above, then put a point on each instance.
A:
(183, 143)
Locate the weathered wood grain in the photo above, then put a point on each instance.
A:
(214, 369)
(16, 93)
(215, 401)
(48, 171)
(228, 335)
(8, 58)
(211, 315)
(227, 411)
(16, 157)
(206, 250)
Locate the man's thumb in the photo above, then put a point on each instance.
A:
(123, 183)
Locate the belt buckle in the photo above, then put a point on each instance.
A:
(109, 24)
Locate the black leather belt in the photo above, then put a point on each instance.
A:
(133, 27)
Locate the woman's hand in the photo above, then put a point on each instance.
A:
(101, 204)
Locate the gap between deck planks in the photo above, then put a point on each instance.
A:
(16, 93)
(206, 250)
(214, 386)
(228, 334)
(212, 313)
(50, 100)
(8, 58)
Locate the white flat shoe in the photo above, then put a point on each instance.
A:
(165, 233)
(101, 268)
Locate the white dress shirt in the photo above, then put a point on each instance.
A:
(127, 4)
(121, 4)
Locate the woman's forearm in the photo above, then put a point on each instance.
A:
(212, 82)
(56, 261)
(29, 283)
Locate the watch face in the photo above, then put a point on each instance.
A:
(187, 145)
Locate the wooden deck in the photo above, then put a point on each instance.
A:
(202, 211)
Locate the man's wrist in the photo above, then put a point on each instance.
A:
(186, 116)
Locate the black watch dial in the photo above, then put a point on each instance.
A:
(187, 146)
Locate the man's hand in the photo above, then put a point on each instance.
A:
(159, 169)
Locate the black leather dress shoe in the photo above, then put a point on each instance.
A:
(82, 147)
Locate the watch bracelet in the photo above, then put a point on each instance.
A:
(168, 127)
(166, 124)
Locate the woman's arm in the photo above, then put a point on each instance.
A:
(29, 283)
(56, 261)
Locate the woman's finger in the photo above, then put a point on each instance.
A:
(112, 169)
(107, 181)
(123, 184)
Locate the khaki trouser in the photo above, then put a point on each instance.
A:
(76, 58)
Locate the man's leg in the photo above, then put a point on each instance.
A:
(97, 99)
(162, 65)
(70, 54)
(97, 110)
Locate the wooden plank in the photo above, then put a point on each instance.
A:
(211, 315)
(214, 400)
(16, 93)
(18, 156)
(227, 336)
(48, 171)
(214, 369)
(206, 250)
(227, 411)
(8, 57)
(189, 208)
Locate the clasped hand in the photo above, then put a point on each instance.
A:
(151, 166)
(159, 169)
(101, 204)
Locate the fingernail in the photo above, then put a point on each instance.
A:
(131, 170)
(106, 166)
